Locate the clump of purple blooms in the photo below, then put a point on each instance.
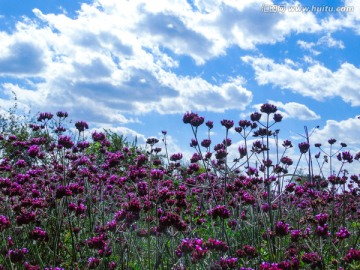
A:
(105, 203)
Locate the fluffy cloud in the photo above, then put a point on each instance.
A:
(317, 81)
(293, 110)
(116, 59)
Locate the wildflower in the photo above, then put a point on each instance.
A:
(322, 230)
(65, 141)
(227, 263)
(157, 174)
(188, 116)
(313, 259)
(343, 233)
(209, 124)
(262, 132)
(21, 163)
(220, 154)
(281, 228)
(59, 130)
(96, 242)
(268, 108)
(81, 126)
(25, 218)
(193, 143)
(63, 191)
(39, 234)
(206, 143)
(322, 218)
(238, 129)
(28, 266)
(33, 151)
(4, 223)
(332, 141)
(98, 137)
(346, 156)
(277, 117)
(62, 114)
(304, 147)
(269, 266)
(247, 251)
(242, 151)
(244, 123)
(152, 141)
(255, 116)
(220, 211)
(176, 157)
(287, 144)
(93, 263)
(17, 255)
(45, 116)
(227, 142)
(286, 160)
(295, 235)
(213, 244)
(227, 123)
(352, 255)
(197, 121)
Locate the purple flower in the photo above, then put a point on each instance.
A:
(62, 114)
(343, 233)
(227, 123)
(295, 235)
(332, 141)
(176, 157)
(93, 263)
(17, 255)
(255, 116)
(277, 117)
(352, 255)
(304, 147)
(281, 228)
(206, 143)
(81, 126)
(268, 108)
(209, 124)
(4, 223)
(152, 141)
(45, 116)
(244, 123)
(287, 144)
(33, 151)
(197, 121)
(313, 259)
(322, 218)
(219, 211)
(98, 137)
(188, 116)
(65, 141)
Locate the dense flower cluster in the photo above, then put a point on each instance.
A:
(104, 203)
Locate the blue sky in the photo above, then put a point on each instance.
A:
(137, 66)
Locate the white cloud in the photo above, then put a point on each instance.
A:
(343, 20)
(317, 81)
(324, 41)
(292, 110)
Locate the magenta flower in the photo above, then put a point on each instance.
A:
(81, 126)
(343, 233)
(268, 108)
(227, 123)
(281, 228)
(304, 147)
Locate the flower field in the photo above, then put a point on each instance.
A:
(72, 202)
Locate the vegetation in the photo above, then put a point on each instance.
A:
(106, 203)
